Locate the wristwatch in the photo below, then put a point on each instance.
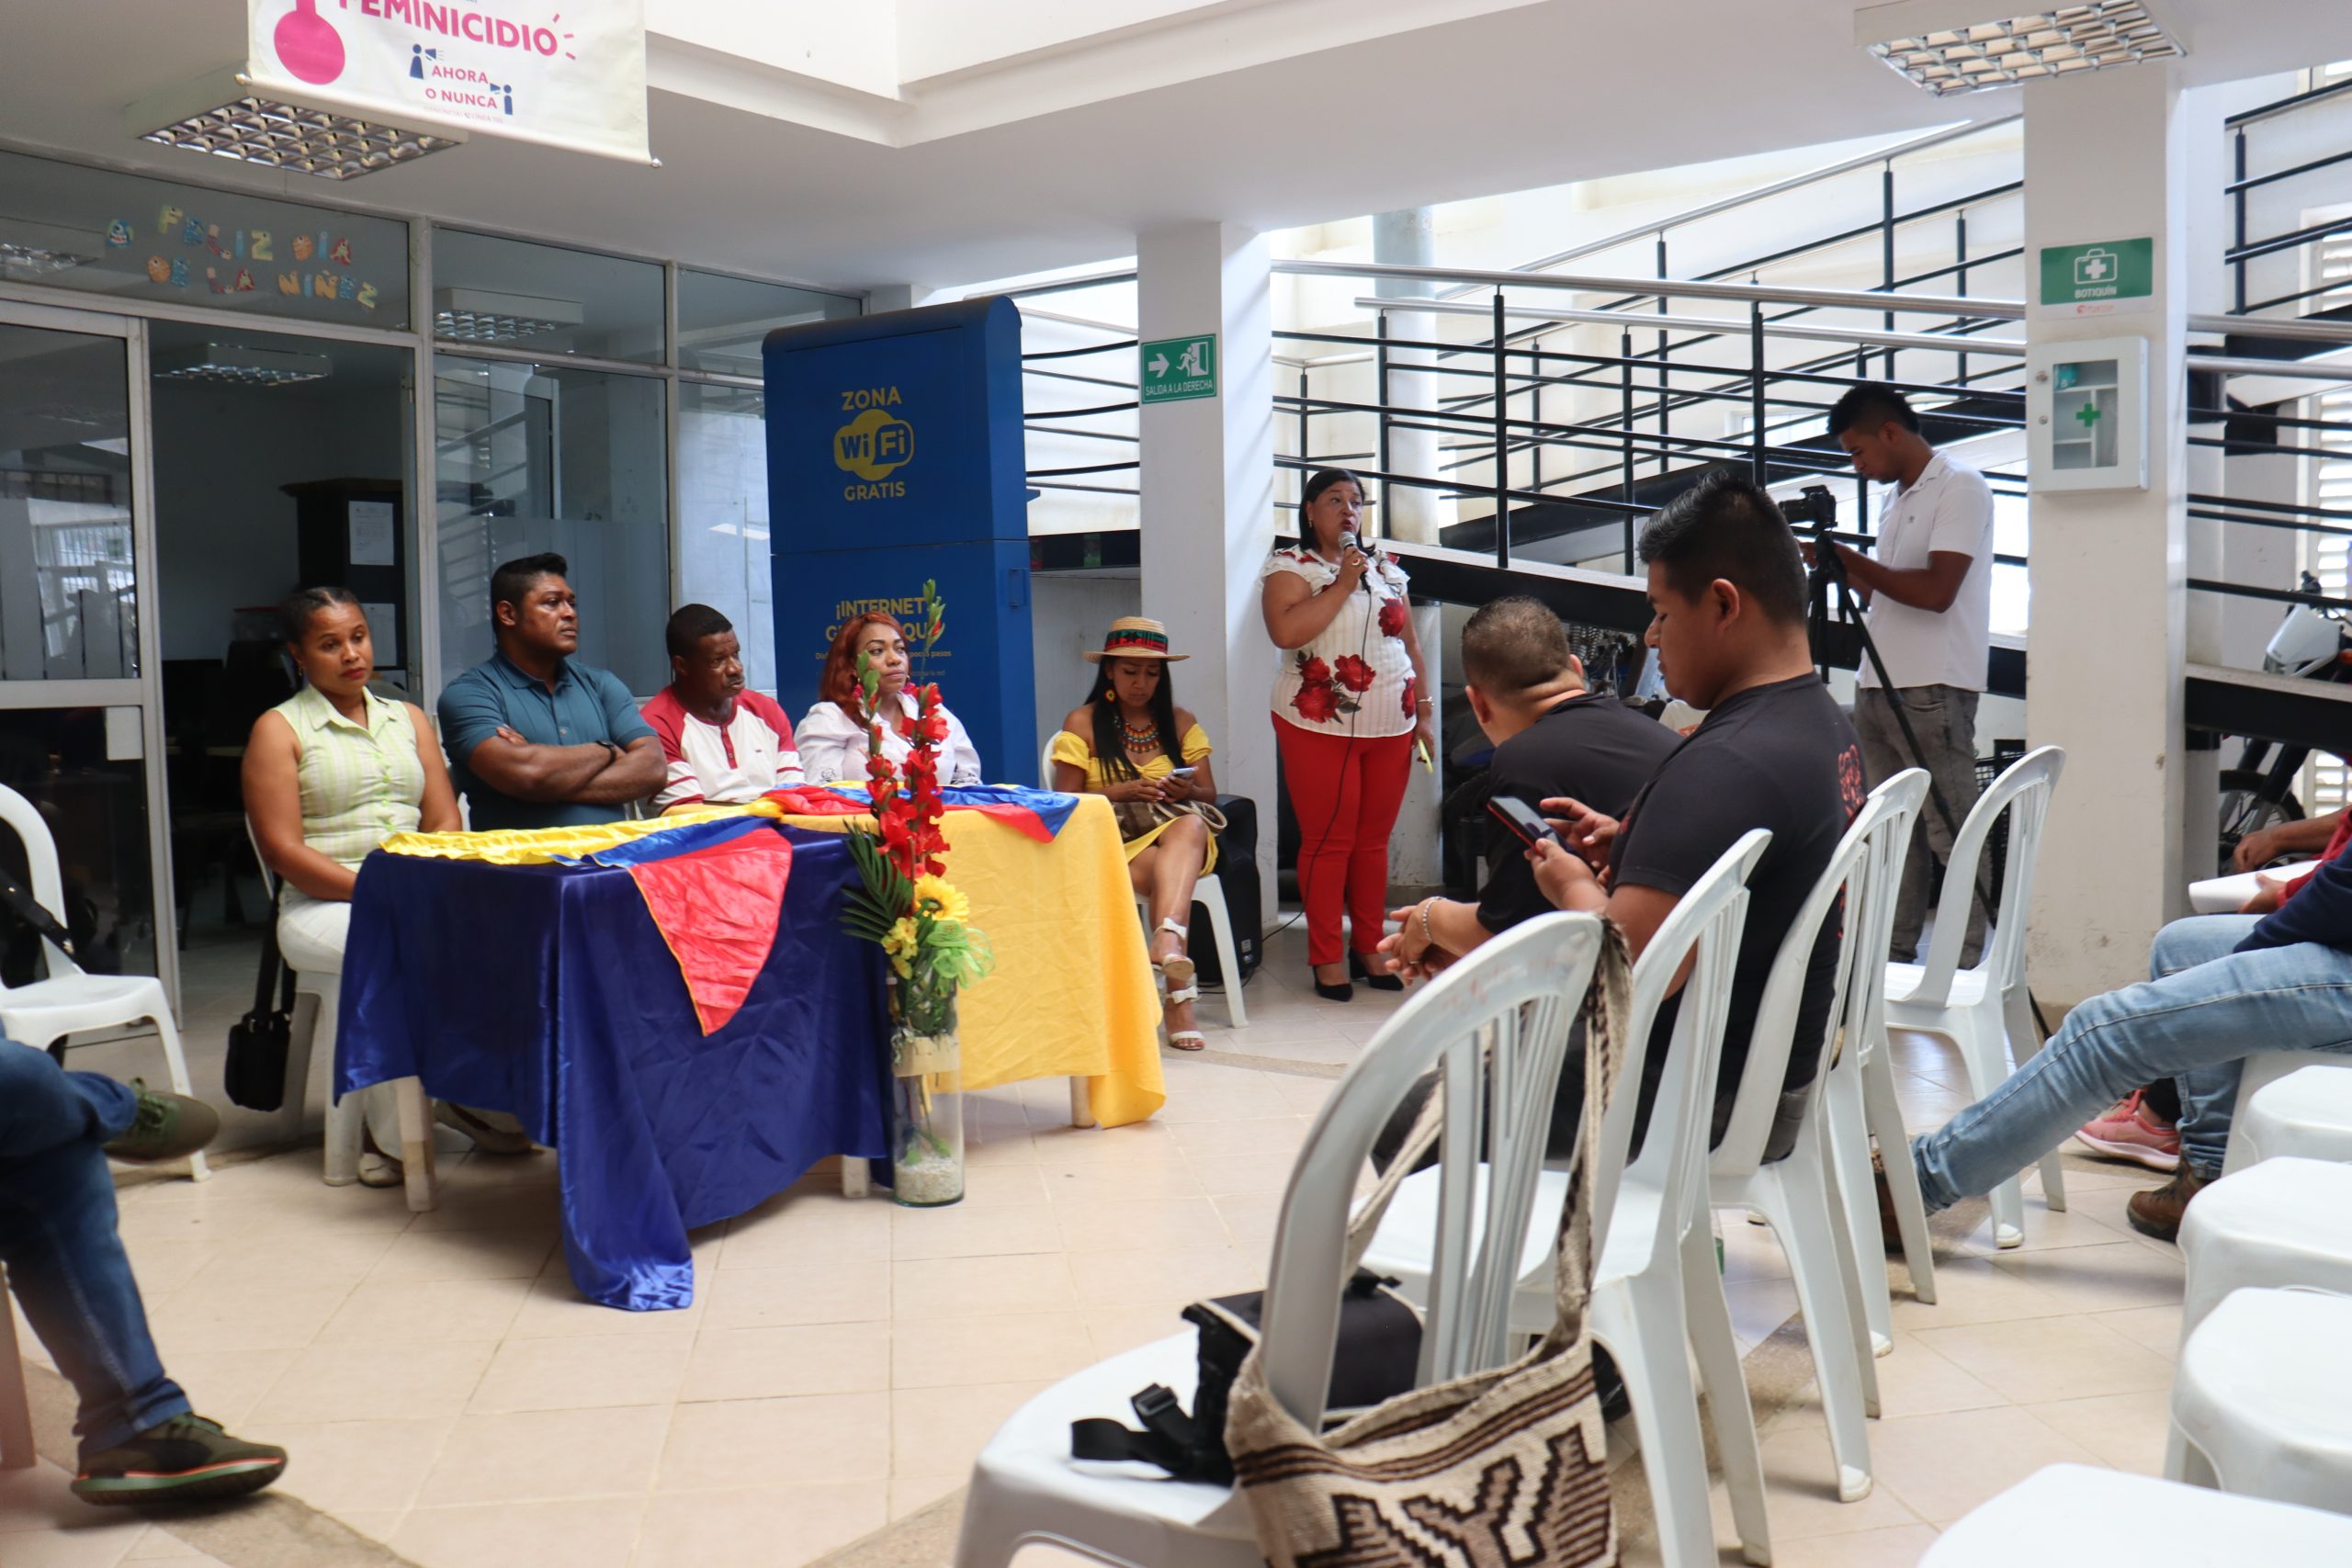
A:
(612, 752)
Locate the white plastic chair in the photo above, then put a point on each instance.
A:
(2067, 1514)
(69, 1001)
(1517, 997)
(1648, 1244)
(2308, 1113)
(2285, 1222)
(2262, 1400)
(315, 1023)
(1794, 1194)
(1209, 893)
(1861, 1101)
(16, 1405)
(2257, 1073)
(1985, 1010)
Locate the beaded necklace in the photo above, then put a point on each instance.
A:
(1140, 736)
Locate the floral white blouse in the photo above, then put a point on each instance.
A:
(1356, 678)
(832, 746)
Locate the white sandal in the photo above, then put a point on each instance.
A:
(1178, 969)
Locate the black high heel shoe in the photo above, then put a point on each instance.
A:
(1361, 971)
(1341, 992)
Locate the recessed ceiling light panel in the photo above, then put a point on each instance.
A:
(2063, 42)
(222, 114)
(481, 315)
(236, 365)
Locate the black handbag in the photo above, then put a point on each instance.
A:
(1379, 1349)
(254, 1074)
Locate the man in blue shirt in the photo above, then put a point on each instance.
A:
(2219, 988)
(537, 738)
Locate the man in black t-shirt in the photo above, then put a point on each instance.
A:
(1727, 593)
(1552, 736)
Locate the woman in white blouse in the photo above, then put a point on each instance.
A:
(832, 739)
(1352, 700)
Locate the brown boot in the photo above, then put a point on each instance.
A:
(1889, 1229)
(2158, 1212)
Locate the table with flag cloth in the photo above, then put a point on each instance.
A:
(1072, 994)
(614, 988)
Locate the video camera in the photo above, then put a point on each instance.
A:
(1817, 507)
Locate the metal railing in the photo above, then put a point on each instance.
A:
(2244, 248)
(1741, 400)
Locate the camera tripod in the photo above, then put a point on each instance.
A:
(1827, 578)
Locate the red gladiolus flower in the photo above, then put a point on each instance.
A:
(1316, 701)
(1392, 617)
(1355, 673)
(1315, 672)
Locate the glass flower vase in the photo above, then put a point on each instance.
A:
(926, 1098)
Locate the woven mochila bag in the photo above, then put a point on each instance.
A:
(1502, 1469)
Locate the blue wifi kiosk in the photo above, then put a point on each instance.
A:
(895, 455)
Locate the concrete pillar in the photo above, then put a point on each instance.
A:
(2200, 113)
(885, 297)
(2105, 158)
(1407, 239)
(1207, 507)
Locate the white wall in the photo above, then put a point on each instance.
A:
(936, 37)
(854, 45)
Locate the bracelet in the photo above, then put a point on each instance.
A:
(1427, 940)
(1424, 703)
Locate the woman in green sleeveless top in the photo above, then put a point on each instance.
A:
(329, 775)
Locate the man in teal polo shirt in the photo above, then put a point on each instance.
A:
(537, 738)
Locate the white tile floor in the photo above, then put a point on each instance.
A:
(443, 1390)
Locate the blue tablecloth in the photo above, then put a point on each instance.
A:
(546, 991)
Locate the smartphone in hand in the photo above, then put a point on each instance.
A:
(1523, 820)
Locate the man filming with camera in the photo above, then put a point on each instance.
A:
(1928, 590)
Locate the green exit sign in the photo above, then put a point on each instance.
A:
(1170, 369)
(2111, 277)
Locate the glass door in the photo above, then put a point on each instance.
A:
(80, 731)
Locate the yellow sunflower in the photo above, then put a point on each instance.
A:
(935, 896)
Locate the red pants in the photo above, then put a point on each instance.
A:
(1345, 792)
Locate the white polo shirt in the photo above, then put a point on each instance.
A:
(1949, 507)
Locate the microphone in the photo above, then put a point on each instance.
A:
(1371, 554)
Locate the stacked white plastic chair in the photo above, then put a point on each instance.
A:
(2285, 1221)
(2307, 1112)
(69, 1001)
(2065, 1515)
(1518, 996)
(1859, 1091)
(2262, 1400)
(1986, 1011)
(1794, 1194)
(1649, 1246)
(317, 997)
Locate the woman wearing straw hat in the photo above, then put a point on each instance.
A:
(1130, 743)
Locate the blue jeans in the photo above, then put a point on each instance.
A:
(2201, 1011)
(58, 1243)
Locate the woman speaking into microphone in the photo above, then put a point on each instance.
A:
(1352, 699)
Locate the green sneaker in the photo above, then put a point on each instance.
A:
(184, 1458)
(168, 1126)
